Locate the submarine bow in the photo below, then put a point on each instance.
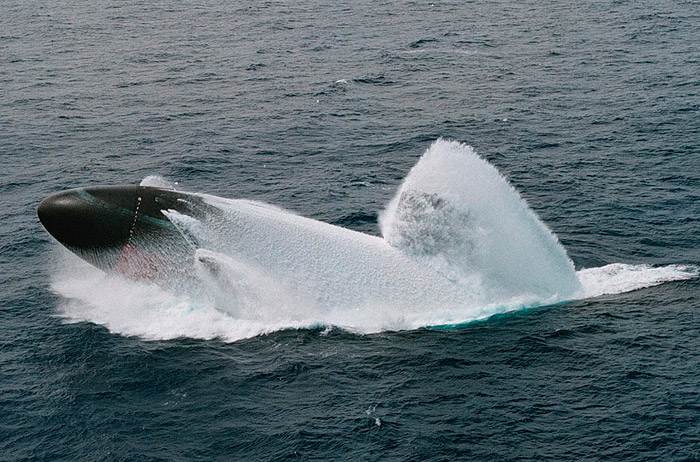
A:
(119, 227)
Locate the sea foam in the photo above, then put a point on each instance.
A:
(459, 244)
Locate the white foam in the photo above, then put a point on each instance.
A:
(460, 245)
(157, 181)
(147, 311)
(137, 308)
(618, 278)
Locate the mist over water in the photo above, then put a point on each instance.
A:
(459, 244)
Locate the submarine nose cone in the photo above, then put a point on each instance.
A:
(64, 216)
(80, 221)
(118, 227)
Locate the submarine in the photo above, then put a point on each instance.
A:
(241, 253)
(122, 228)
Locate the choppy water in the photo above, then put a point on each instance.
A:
(590, 110)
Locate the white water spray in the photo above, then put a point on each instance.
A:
(458, 214)
(459, 244)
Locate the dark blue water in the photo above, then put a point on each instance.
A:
(592, 110)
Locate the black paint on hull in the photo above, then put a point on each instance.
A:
(121, 228)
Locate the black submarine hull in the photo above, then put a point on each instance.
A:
(122, 228)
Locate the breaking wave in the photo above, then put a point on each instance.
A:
(459, 244)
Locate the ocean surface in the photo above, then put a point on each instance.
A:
(584, 117)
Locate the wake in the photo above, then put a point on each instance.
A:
(459, 244)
